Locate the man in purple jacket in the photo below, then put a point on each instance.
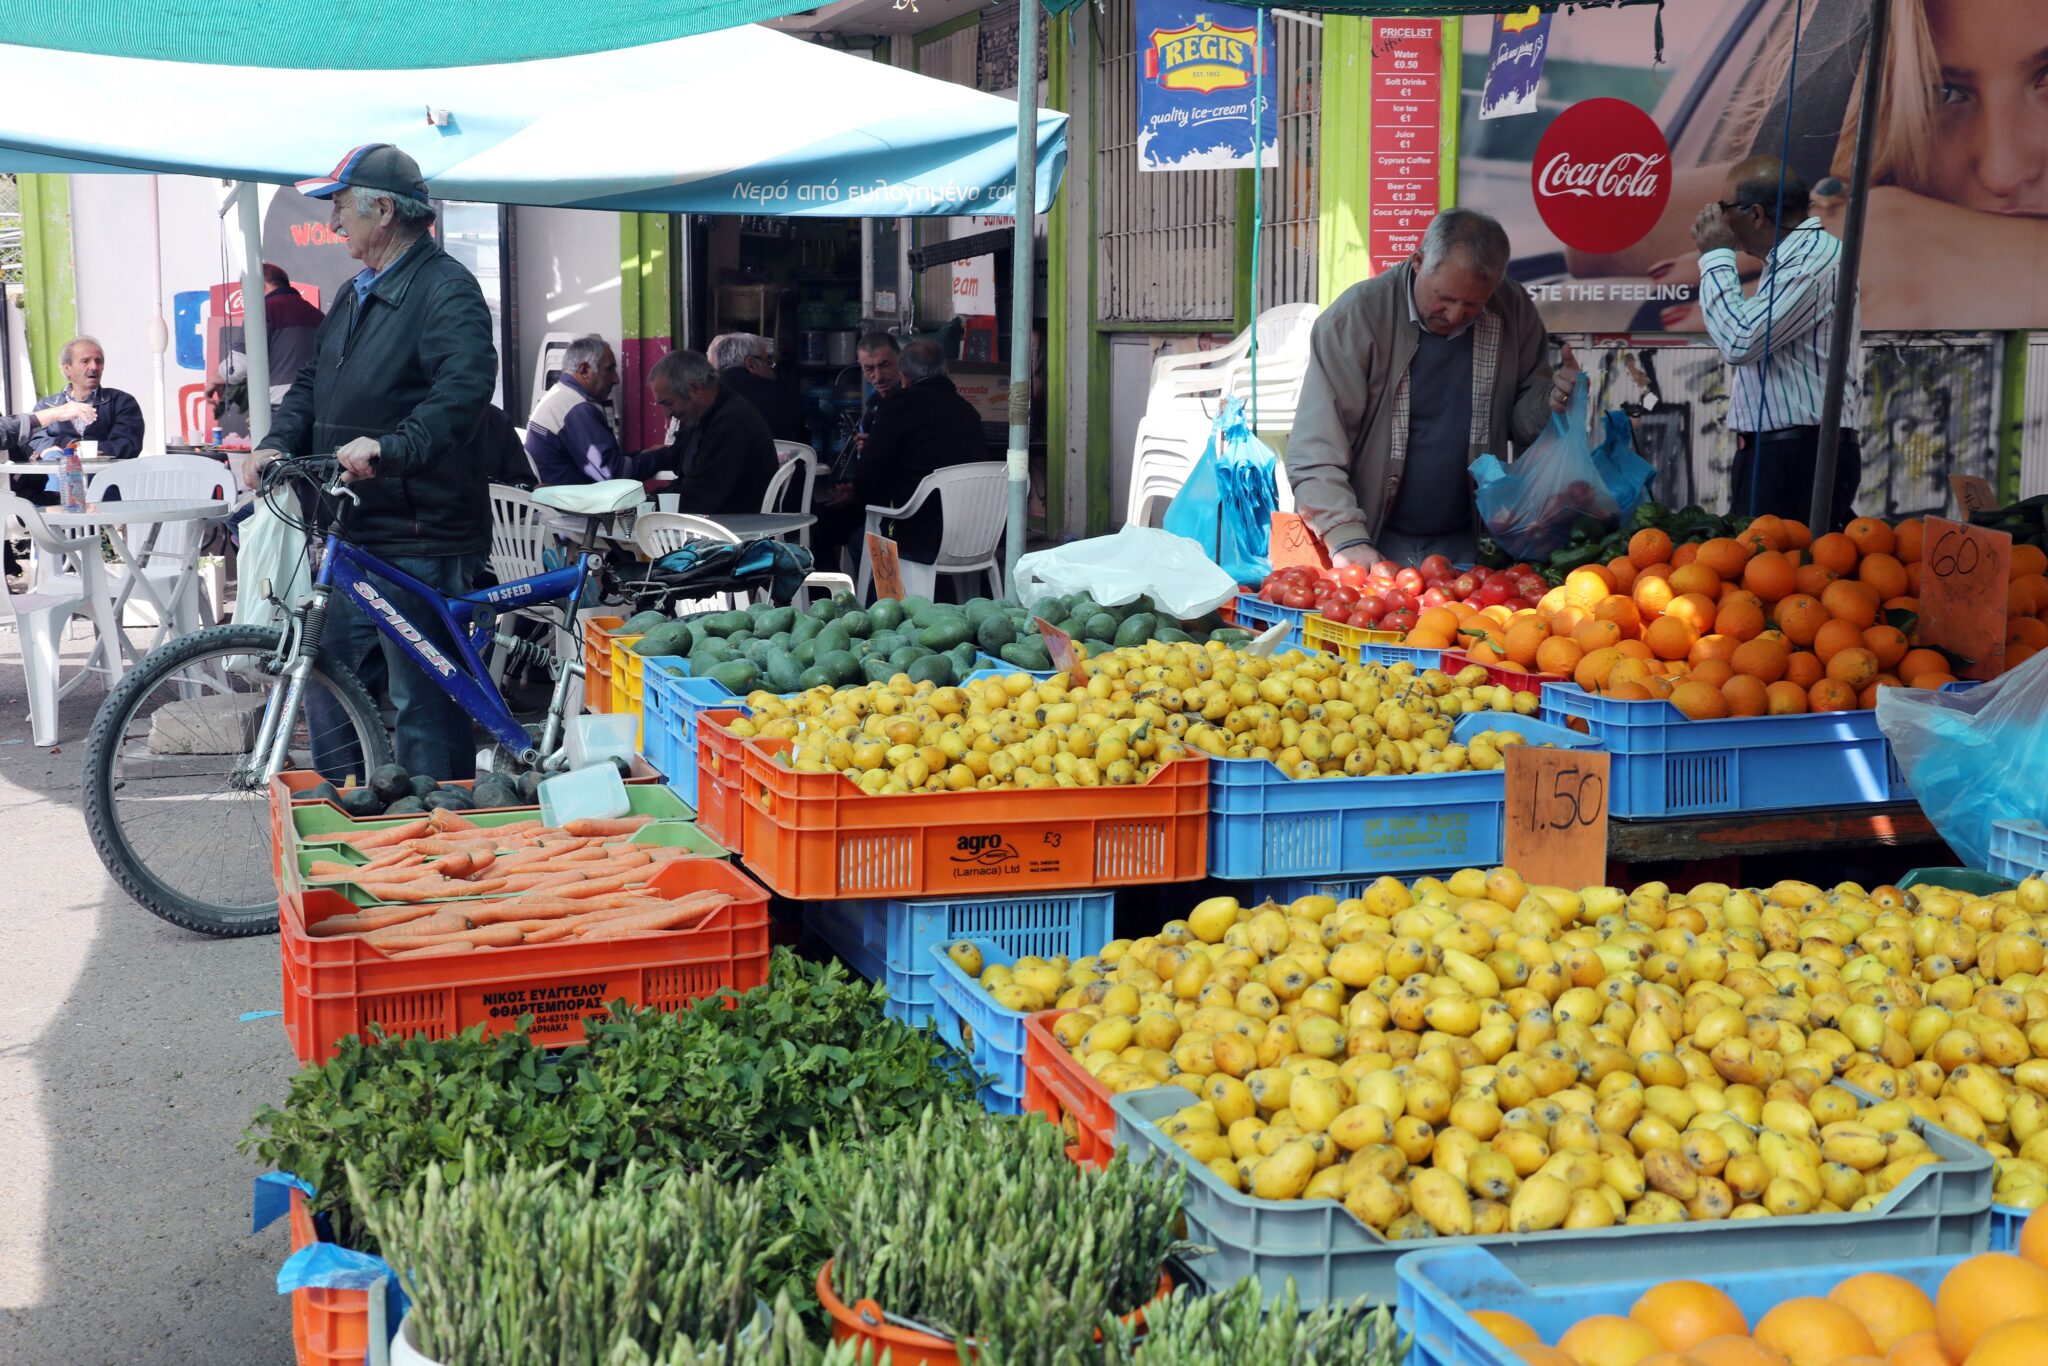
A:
(567, 436)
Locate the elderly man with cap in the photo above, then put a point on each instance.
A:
(398, 388)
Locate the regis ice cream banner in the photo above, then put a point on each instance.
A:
(1599, 186)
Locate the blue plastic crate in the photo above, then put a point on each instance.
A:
(1423, 659)
(1263, 824)
(1256, 614)
(973, 1023)
(1665, 765)
(2005, 1226)
(1439, 1289)
(1284, 890)
(661, 733)
(1943, 1209)
(892, 941)
(2019, 850)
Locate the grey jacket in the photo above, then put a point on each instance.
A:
(1341, 454)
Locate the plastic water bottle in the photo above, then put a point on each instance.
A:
(74, 482)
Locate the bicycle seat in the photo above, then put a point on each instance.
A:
(592, 500)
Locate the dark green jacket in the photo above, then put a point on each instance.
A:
(415, 370)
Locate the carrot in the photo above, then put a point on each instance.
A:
(440, 922)
(490, 937)
(592, 825)
(441, 818)
(327, 868)
(590, 887)
(452, 865)
(369, 918)
(480, 862)
(522, 908)
(440, 950)
(399, 857)
(384, 839)
(680, 915)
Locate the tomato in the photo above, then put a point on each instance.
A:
(1343, 596)
(1296, 597)
(1399, 600)
(1410, 581)
(1352, 575)
(1494, 593)
(1403, 620)
(1531, 586)
(1371, 605)
(1438, 565)
(1434, 596)
(1465, 585)
(1383, 571)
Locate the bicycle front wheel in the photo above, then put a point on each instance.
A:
(175, 800)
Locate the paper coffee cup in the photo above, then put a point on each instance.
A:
(669, 502)
(88, 450)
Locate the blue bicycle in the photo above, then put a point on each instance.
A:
(180, 757)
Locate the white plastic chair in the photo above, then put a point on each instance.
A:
(519, 538)
(1199, 381)
(973, 507)
(1162, 458)
(798, 469)
(75, 585)
(177, 478)
(659, 533)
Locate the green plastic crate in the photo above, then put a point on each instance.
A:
(666, 834)
(1957, 880)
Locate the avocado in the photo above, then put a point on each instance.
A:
(804, 628)
(640, 623)
(448, 799)
(405, 806)
(725, 623)
(994, 633)
(877, 669)
(813, 677)
(824, 609)
(737, 677)
(1029, 654)
(739, 639)
(422, 785)
(964, 657)
(901, 660)
(883, 643)
(391, 782)
(1099, 626)
(1170, 635)
(769, 620)
(857, 624)
(780, 674)
(834, 638)
(887, 614)
(840, 667)
(708, 657)
(1137, 629)
(493, 791)
(361, 801)
(528, 784)
(943, 633)
(844, 601)
(668, 638)
(1231, 635)
(934, 669)
(322, 791)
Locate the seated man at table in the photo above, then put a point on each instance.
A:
(746, 367)
(723, 456)
(567, 435)
(924, 426)
(117, 418)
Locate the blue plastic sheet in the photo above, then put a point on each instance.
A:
(1973, 757)
(1227, 504)
(271, 1198)
(324, 1265)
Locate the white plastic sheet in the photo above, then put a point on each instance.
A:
(1139, 561)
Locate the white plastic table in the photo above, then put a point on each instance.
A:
(745, 525)
(53, 468)
(114, 518)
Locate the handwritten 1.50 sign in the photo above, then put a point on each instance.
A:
(1291, 542)
(1556, 827)
(885, 567)
(1964, 573)
(1974, 494)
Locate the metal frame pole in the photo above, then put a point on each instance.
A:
(1821, 511)
(1023, 274)
(255, 326)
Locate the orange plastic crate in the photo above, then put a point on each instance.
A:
(818, 837)
(597, 662)
(329, 1327)
(335, 987)
(718, 778)
(1056, 1086)
(1515, 680)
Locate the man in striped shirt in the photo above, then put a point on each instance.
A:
(1777, 340)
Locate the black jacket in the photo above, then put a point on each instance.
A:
(920, 428)
(772, 399)
(118, 428)
(415, 370)
(723, 464)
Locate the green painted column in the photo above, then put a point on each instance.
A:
(647, 325)
(51, 294)
(1346, 190)
(1058, 40)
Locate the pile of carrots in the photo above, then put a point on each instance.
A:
(531, 884)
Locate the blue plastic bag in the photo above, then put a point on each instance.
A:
(1531, 507)
(1975, 756)
(1227, 504)
(1627, 475)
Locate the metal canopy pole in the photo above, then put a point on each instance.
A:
(1023, 271)
(1821, 512)
(255, 329)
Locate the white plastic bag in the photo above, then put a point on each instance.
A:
(271, 549)
(1139, 561)
(1975, 756)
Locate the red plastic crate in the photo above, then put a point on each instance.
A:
(597, 662)
(818, 837)
(329, 1327)
(335, 987)
(1515, 680)
(1056, 1086)
(719, 767)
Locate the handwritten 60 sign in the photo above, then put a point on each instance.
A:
(1602, 175)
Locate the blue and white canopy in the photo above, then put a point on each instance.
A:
(742, 120)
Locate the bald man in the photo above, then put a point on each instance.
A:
(1777, 340)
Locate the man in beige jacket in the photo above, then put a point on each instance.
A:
(1413, 375)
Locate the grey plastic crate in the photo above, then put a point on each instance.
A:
(1941, 1210)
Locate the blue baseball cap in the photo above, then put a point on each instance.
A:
(373, 166)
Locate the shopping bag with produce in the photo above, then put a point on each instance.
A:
(1626, 475)
(1973, 756)
(1227, 504)
(1531, 508)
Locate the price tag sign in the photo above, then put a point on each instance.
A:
(1963, 576)
(1973, 494)
(1556, 831)
(883, 565)
(1058, 644)
(1293, 543)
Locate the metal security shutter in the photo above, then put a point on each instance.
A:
(1287, 246)
(2034, 433)
(1166, 245)
(951, 58)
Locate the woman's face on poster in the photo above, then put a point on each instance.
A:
(1991, 104)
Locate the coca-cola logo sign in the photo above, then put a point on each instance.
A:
(1602, 175)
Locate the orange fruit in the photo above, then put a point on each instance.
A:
(1635, 649)
(1652, 593)
(1851, 600)
(1684, 1313)
(1441, 620)
(1559, 656)
(1831, 694)
(1834, 551)
(1884, 573)
(1588, 584)
(1670, 637)
(1867, 699)
(1699, 701)
(1694, 609)
(1482, 652)
(2021, 1342)
(1568, 619)
(1764, 533)
(1683, 555)
(1662, 571)
(1608, 1340)
(1799, 617)
(1505, 1326)
(1423, 639)
(1523, 640)
(1786, 699)
(1629, 670)
(1649, 546)
(1712, 672)
(1627, 692)
(2033, 1244)
(1918, 662)
(1911, 535)
(1741, 616)
(1592, 669)
(1724, 556)
(1712, 647)
(1551, 601)
(1871, 536)
(1984, 1291)
(1622, 611)
(1798, 535)
(1936, 682)
(1913, 577)
(1763, 659)
(1921, 1349)
(1804, 668)
(1891, 1308)
(1746, 696)
(2027, 560)
(2021, 599)
(1813, 579)
(1835, 637)
(1536, 1354)
(1810, 1331)
(1769, 575)
(1597, 635)
(1735, 1350)
(1888, 643)
(1696, 578)
(1623, 571)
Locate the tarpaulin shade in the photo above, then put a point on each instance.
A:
(746, 121)
(1392, 9)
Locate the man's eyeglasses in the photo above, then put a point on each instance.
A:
(1731, 206)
